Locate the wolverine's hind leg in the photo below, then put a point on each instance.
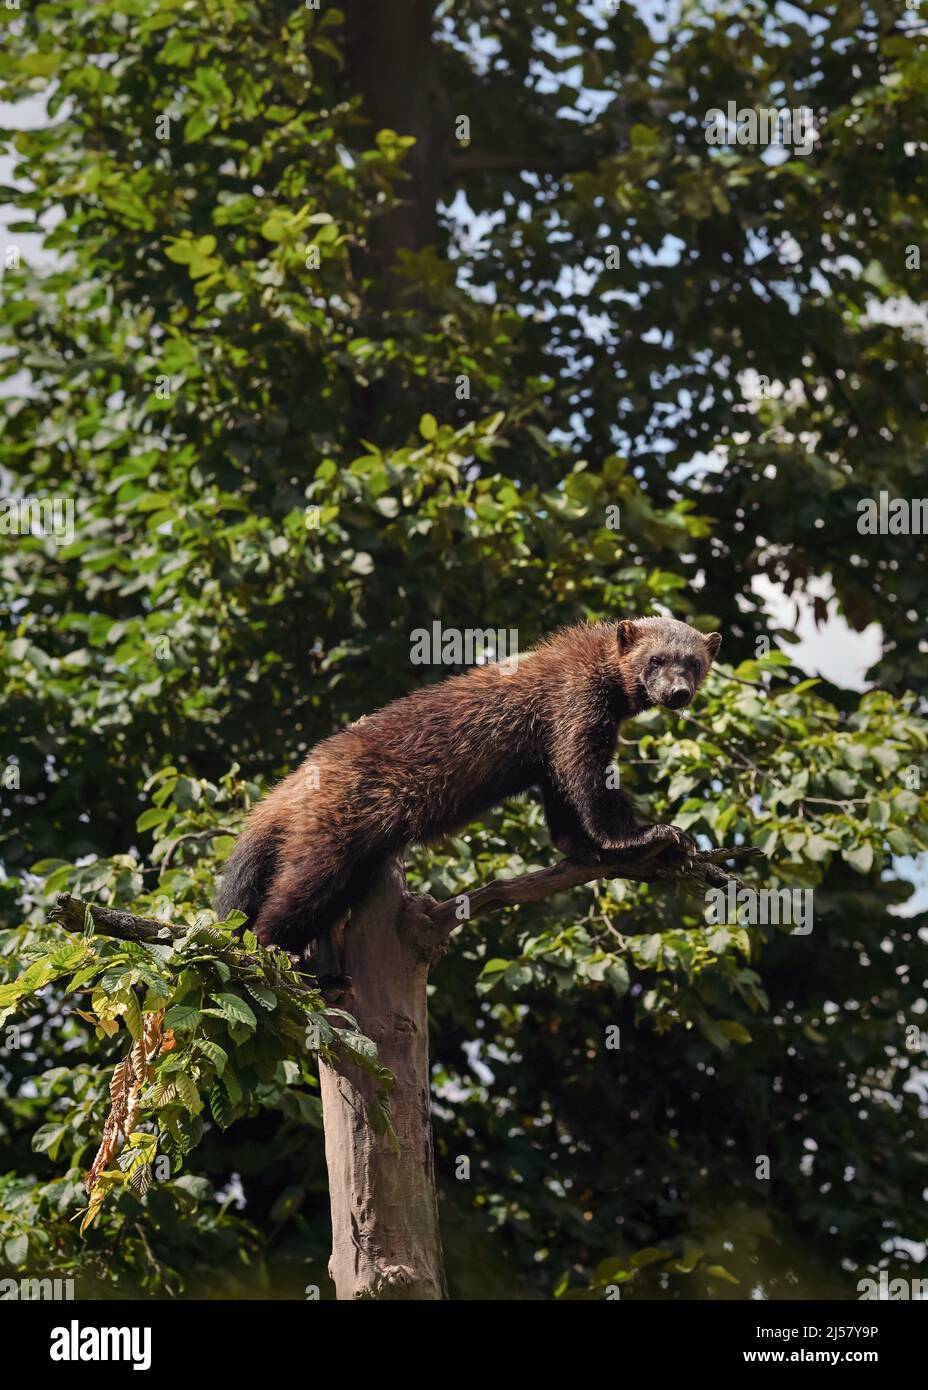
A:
(567, 834)
(302, 905)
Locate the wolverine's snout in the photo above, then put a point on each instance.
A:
(673, 692)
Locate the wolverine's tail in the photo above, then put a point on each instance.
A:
(290, 899)
(248, 874)
(312, 888)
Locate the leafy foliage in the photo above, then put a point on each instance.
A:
(237, 1031)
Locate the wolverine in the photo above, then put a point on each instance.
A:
(427, 764)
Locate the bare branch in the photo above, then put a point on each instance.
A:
(69, 913)
(431, 922)
(147, 931)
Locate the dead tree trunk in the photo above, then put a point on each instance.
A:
(385, 1236)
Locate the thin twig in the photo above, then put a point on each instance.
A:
(190, 835)
(745, 762)
(825, 801)
(755, 685)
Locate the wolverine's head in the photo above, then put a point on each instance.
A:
(664, 662)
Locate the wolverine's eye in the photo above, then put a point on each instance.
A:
(654, 662)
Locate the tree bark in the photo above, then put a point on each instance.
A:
(385, 1237)
(390, 59)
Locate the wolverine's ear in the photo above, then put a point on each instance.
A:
(627, 634)
(713, 642)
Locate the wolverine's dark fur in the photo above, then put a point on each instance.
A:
(430, 762)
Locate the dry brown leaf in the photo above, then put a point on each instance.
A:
(126, 1084)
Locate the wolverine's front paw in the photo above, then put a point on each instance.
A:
(677, 848)
(671, 847)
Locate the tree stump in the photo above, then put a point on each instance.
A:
(386, 1242)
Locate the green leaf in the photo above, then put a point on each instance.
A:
(358, 1045)
(182, 1018)
(187, 1092)
(200, 1189)
(233, 1089)
(217, 1105)
(817, 848)
(16, 1249)
(265, 997)
(132, 1016)
(48, 1139)
(648, 1256)
(234, 1008)
(495, 966)
(719, 1272)
(687, 1262)
(178, 51)
(198, 124)
(735, 1032)
(182, 251)
(216, 1054)
(860, 857)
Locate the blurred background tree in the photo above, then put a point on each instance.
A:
(365, 316)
